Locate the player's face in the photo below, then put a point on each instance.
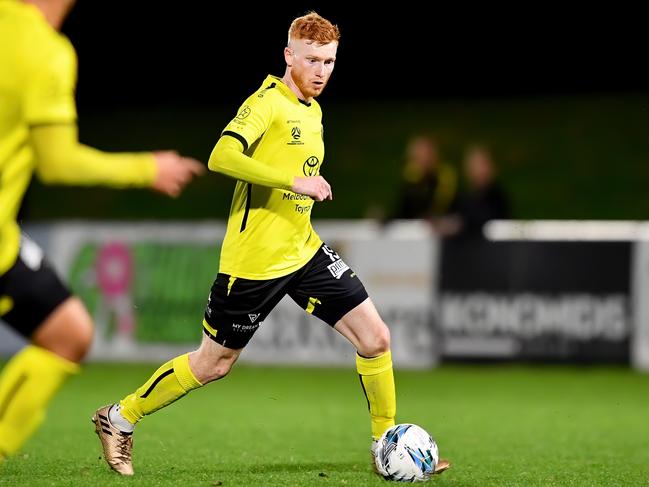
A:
(311, 65)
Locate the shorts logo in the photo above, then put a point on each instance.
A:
(253, 317)
(244, 328)
(338, 268)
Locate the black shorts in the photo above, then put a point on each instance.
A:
(30, 290)
(325, 287)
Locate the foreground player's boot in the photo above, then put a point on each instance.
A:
(117, 445)
(442, 464)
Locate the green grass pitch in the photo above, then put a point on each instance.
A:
(499, 425)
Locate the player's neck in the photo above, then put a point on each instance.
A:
(288, 81)
(54, 12)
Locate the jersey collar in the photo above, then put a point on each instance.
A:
(285, 90)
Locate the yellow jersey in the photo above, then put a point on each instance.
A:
(269, 232)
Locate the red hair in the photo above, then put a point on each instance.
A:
(313, 27)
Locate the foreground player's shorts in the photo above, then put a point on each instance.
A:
(325, 287)
(30, 290)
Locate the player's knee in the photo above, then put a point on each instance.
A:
(214, 368)
(377, 343)
(222, 369)
(218, 369)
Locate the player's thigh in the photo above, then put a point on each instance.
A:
(67, 331)
(36, 304)
(237, 307)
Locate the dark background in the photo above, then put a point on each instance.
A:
(141, 52)
(560, 94)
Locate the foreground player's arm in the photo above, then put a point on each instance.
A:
(62, 159)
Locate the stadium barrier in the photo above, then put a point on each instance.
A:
(543, 290)
(146, 285)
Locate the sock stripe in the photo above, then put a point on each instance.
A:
(155, 382)
(12, 393)
(364, 392)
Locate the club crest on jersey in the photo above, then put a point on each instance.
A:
(311, 166)
(243, 113)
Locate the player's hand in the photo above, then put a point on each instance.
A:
(315, 186)
(175, 172)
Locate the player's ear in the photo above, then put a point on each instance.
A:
(288, 56)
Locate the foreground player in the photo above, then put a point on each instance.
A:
(38, 132)
(274, 148)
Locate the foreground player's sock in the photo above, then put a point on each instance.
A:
(167, 384)
(27, 385)
(377, 381)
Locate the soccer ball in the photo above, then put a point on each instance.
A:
(406, 453)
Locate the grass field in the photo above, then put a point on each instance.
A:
(499, 425)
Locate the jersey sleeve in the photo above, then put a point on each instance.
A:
(61, 159)
(50, 85)
(228, 158)
(252, 120)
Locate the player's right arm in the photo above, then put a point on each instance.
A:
(229, 155)
(50, 113)
(61, 159)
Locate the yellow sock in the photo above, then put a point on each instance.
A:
(167, 384)
(377, 381)
(27, 385)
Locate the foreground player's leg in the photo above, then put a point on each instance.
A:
(32, 377)
(365, 329)
(114, 424)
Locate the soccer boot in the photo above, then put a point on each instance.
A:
(117, 445)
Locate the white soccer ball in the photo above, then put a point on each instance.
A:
(406, 453)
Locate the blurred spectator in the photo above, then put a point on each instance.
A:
(483, 200)
(428, 184)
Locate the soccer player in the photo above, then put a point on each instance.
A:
(274, 148)
(38, 132)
